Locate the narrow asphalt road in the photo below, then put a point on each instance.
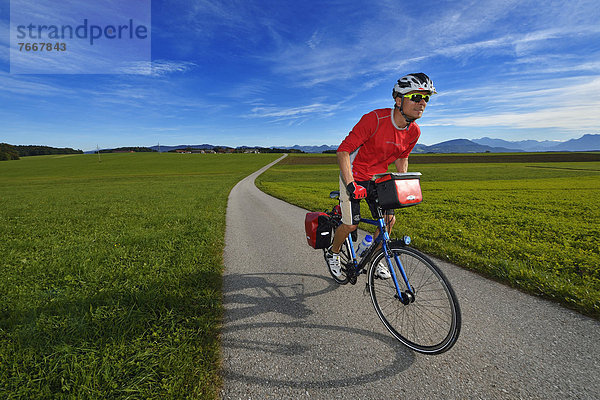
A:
(291, 332)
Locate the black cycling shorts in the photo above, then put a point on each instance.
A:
(351, 207)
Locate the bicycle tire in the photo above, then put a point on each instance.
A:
(431, 323)
(345, 261)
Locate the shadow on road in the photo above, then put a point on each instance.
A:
(248, 295)
(329, 368)
(299, 353)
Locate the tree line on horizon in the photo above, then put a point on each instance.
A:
(14, 152)
(216, 149)
(242, 149)
(8, 152)
(127, 150)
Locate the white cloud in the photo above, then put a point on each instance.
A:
(401, 38)
(568, 118)
(293, 112)
(30, 86)
(314, 40)
(157, 67)
(570, 104)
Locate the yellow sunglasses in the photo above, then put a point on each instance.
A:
(417, 97)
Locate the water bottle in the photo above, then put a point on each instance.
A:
(364, 245)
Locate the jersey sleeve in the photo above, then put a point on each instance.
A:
(361, 132)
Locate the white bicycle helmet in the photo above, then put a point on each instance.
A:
(413, 82)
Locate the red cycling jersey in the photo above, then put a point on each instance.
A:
(375, 142)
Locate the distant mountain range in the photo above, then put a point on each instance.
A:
(485, 144)
(462, 146)
(585, 143)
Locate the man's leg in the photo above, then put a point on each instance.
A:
(350, 212)
(382, 269)
(341, 233)
(390, 220)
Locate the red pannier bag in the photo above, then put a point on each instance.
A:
(398, 190)
(318, 229)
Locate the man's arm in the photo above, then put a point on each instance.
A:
(401, 164)
(343, 158)
(355, 191)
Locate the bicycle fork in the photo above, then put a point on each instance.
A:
(408, 296)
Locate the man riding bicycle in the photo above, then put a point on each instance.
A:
(381, 137)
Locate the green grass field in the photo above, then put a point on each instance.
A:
(111, 274)
(533, 225)
(111, 271)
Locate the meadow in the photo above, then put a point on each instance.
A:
(111, 274)
(533, 225)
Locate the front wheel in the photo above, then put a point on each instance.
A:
(426, 319)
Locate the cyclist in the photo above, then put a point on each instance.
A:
(381, 137)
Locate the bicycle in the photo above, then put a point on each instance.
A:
(417, 305)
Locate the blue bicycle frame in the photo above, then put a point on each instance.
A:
(384, 239)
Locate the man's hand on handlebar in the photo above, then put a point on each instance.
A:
(356, 191)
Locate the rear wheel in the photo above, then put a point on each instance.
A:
(426, 319)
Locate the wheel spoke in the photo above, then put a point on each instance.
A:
(431, 323)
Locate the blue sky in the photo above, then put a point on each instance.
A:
(279, 73)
